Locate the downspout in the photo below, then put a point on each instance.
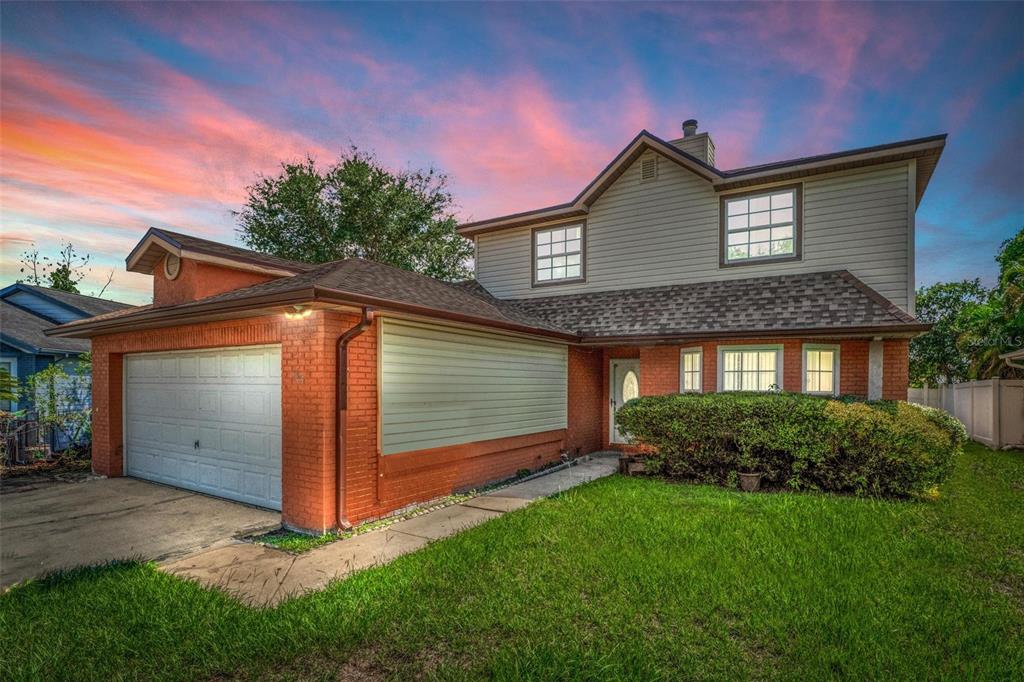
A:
(341, 408)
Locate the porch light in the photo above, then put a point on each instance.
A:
(299, 312)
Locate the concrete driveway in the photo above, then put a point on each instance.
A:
(60, 525)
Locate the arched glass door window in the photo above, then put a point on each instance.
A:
(630, 387)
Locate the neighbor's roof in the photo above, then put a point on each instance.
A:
(926, 150)
(24, 329)
(819, 302)
(158, 242)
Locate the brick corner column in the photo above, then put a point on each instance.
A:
(108, 402)
(308, 488)
(895, 369)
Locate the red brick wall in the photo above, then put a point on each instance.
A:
(198, 280)
(307, 397)
(659, 368)
(853, 366)
(895, 368)
(586, 398)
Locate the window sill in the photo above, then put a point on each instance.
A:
(556, 282)
(758, 261)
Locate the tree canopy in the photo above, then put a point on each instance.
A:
(972, 324)
(355, 207)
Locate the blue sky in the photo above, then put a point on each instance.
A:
(117, 117)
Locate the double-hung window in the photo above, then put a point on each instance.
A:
(821, 369)
(690, 370)
(750, 368)
(758, 227)
(558, 254)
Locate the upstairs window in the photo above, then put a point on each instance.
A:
(760, 227)
(558, 254)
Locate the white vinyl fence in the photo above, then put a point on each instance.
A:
(992, 410)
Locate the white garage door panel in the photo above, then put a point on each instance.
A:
(226, 399)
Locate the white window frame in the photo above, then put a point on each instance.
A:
(699, 352)
(834, 347)
(794, 225)
(14, 373)
(537, 257)
(779, 356)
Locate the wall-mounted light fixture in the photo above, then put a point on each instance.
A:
(299, 312)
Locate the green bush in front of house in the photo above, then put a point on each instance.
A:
(799, 442)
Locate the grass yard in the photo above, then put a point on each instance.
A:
(622, 578)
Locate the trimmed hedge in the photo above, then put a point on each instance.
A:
(799, 442)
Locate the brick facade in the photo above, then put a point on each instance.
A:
(198, 280)
(659, 368)
(375, 485)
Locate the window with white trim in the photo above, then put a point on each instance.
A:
(821, 369)
(761, 227)
(750, 368)
(10, 367)
(690, 370)
(558, 254)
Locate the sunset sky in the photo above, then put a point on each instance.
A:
(118, 117)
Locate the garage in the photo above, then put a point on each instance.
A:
(206, 420)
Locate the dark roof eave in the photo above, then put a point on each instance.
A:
(198, 312)
(875, 330)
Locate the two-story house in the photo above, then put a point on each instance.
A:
(344, 391)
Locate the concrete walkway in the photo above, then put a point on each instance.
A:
(262, 576)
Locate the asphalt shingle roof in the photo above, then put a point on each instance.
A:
(188, 242)
(26, 330)
(825, 300)
(87, 304)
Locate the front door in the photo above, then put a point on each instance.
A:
(625, 376)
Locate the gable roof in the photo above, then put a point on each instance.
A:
(157, 242)
(829, 302)
(352, 281)
(926, 149)
(24, 329)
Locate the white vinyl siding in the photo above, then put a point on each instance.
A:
(667, 232)
(446, 386)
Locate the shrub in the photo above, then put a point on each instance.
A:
(800, 442)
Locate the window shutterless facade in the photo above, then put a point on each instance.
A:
(559, 254)
(690, 375)
(761, 226)
(821, 369)
(749, 368)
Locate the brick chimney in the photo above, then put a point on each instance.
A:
(696, 144)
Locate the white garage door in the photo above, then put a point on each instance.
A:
(207, 420)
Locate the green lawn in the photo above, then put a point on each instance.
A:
(622, 578)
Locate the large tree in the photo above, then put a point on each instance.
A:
(936, 357)
(357, 208)
(972, 325)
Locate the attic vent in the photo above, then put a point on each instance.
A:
(649, 169)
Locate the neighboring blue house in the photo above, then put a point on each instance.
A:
(25, 312)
